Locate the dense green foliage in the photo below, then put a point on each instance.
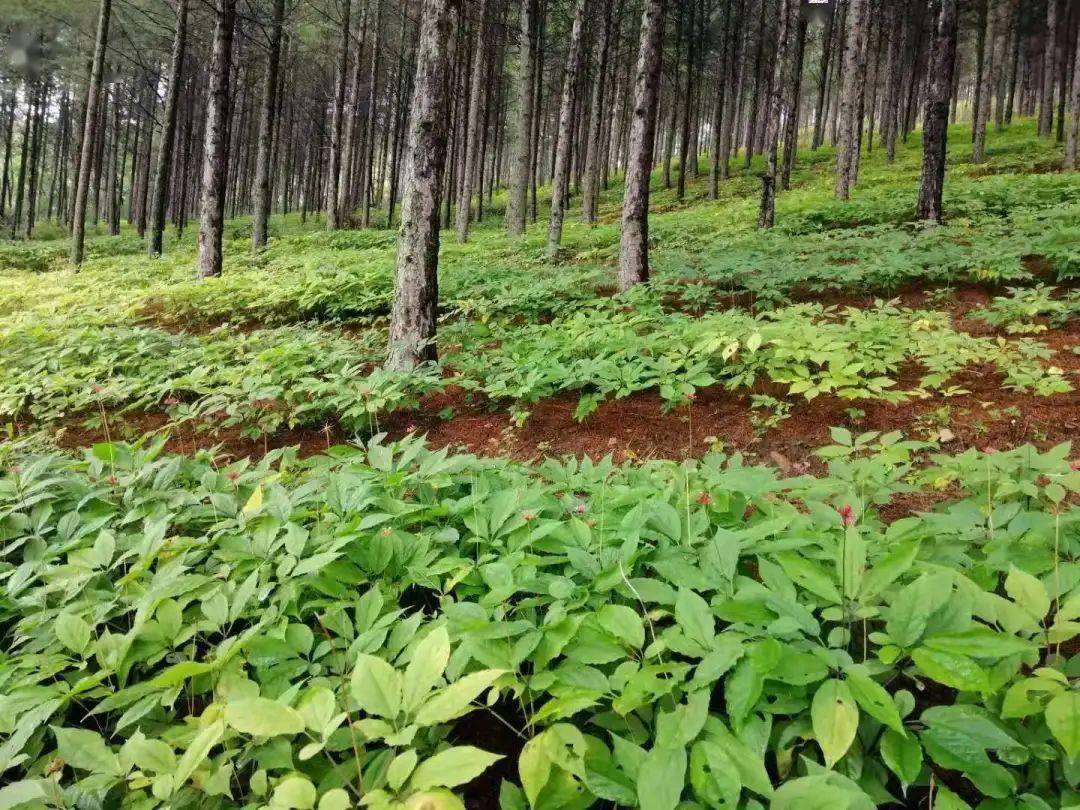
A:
(298, 632)
(398, 627)
(517, 328)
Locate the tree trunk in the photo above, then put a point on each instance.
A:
(333, 214)
(93, 97)
(416, 285)
(597, 118)
(1073, 134)
(634, 242)
(719, 110)
(791, 134)
(823, 78)
(267, 121)
(776, 104)
(519, 181)
(168, 131)
(368, 152)
(10, 107)
(850, 122)
(986, 84)
(1049, 71)
(473, 128)
(560, 176)
(216, 143)
(687, 110)
(24, 157)
(936, 113)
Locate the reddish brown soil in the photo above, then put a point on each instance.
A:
(637, 428)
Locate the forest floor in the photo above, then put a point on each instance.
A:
(808, 491)
(125, 348)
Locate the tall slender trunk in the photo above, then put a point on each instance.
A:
(477, 86)
(850, 120)
(113, 181)
(634, 242)
(267, 121)
(1014, 60)
(24, 157)
(791, 133)
(333, 214)
(986, 85)
(1049, 70)
(730, 115)
(93, 97)
(936, 113)
(216, 143)
(560, 176)
(596, 121)
(719, 110)
(823, 79)
(10, 108)
(519, 179)
(416, 283)
(168, 131)
(776, 106)
(687, 110)
(1073, 130)
(368, 152)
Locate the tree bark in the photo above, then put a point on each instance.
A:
(986, 85)
(776, 101)
(850, 122)
(267, 121)
(333, 214)
(596, 121)
(1049, 71)
(560, 176)
(416, 285)
(168, 131)
(10, 107)
(936, 112)
(823, 79)
(473, 128)
(93, 97)
(1073, 133)
(519, 183)
(634, 242)
(791, 134)
(216, 143)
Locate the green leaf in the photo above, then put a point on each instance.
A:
(1063, 720)
(695, 617)
(294, 793)
(151, 755)
(262, 717)
(810, 576)
(335, 799)
(873, 699)
(624, 623)
(426, 667)
(401, 768)
(254, 503)
(902, 755)
(1028, 593)
(454, 700)
(661, 778)
(72, 632)
(835, 719)
(979, 642)
(452, 767)
(957, 671)
(87, 751)
(19, 793)
(376, 686)
(817, 793)
(198, 751)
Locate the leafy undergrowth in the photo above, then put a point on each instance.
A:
(292, 337)
(389, 623)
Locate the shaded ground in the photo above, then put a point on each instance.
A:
(637, 428)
